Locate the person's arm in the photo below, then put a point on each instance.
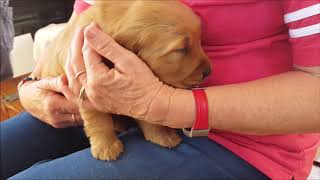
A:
(285, 103)
(281, 104)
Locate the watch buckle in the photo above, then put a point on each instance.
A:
(196, 132)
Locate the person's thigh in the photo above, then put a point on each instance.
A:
(197, 158)
(26, 140)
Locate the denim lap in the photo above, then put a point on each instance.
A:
(196, 158)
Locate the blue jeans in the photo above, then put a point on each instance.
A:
(31, 149)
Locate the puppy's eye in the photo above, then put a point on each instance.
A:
(183, 51)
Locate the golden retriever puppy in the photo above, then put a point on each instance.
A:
(164, 34)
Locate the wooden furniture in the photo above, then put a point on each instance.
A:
(10, 104)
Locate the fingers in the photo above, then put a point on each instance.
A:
(74, 63)
(67, 102)
(92, 61)
(107, 47)
(76, 58)
(66, 106)
(56, 84)
(69, 70)
(65, 120)
(62, 113)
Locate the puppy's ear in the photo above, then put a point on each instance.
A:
(129, 39)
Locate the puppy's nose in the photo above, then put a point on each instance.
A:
(206, 72)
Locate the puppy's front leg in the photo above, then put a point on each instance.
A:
(161, 135)
(99, 128)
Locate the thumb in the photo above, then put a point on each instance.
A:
(93, 62)
(55, 84)
(106, 47)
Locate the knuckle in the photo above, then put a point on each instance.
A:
(93, 84)
(46, 105)
(60, 83)
(51, 117)
(71, 84)
(64, 88)
(54, 81)
(82, 78)
(130, 55)
(91, 94)
(106, 47)
(85, 49)
(49, 106)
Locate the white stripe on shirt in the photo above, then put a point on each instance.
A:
(302, 13)
(89, 1)
(305, 31)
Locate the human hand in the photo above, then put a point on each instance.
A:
(74, 66)
(51, 101)
(130, 88)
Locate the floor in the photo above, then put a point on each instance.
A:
(10, 104)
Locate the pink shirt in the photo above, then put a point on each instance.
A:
(252, 39)
(80, 5)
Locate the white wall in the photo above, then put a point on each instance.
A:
(22, 55)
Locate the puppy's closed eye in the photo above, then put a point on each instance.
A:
(182, 51)
(178, 46)
(183, 46)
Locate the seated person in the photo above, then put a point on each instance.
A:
(263, 103)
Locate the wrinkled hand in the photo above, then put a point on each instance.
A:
(129, 88)
(50, 100)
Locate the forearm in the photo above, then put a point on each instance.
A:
(286, 103)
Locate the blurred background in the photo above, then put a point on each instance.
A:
(20, 19)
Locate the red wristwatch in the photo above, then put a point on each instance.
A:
(201, 126)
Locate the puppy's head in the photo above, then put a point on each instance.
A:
(166, 35)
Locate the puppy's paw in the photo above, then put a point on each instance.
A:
(107, 151)
(163, 136)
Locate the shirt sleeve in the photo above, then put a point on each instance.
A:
(82, 5)
(302, 18)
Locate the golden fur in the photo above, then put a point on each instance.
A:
(165, 34)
